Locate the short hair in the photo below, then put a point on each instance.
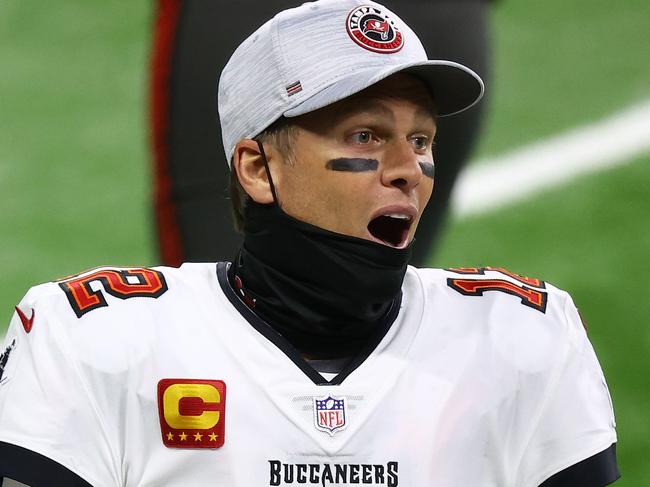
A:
(280, 134)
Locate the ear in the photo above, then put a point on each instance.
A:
(249, 164)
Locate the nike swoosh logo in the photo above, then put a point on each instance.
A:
(27, 323)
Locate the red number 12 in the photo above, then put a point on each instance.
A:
(529, 290)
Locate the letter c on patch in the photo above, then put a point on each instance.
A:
(204, 399)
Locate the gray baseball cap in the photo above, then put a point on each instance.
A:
(314, 55)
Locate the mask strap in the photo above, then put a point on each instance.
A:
(268, 172)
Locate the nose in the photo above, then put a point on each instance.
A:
(400, 167)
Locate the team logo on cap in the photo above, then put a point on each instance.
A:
(372, 29)
(329, 414)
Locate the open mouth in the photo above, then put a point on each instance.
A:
(391, 229)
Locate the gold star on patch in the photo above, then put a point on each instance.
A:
(170, 436)
(183, 436)
(213, 437)
(198, 437)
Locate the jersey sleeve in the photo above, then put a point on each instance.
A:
(576, 417)
(46, 405)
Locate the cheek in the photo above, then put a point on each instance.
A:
(352, 199)
(331, 200)
(307, 195)
(339, 196)
(424, 190)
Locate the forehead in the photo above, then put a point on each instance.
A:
(402, 87)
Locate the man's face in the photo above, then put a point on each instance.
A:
(363, 166)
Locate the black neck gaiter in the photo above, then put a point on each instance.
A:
(324, 292)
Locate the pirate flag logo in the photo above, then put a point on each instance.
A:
(372, 29)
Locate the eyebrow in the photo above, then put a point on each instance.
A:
(373, 107)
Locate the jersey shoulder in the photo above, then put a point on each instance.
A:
(516, 331)
(113, 290)
(507, 307)
(116, 313)
(493, 285)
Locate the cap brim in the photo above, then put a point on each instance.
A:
(454, 87)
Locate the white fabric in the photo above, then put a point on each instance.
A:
(12, 483)
(462, 391)
(310, 44)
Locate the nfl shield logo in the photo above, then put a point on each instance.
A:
(329, 414)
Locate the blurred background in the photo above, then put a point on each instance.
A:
(75, 165)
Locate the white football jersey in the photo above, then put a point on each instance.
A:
(163, 377)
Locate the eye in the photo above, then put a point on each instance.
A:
(363, 137)
(420, 142)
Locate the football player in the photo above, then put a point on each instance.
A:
(317, 357)
(194, 39)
